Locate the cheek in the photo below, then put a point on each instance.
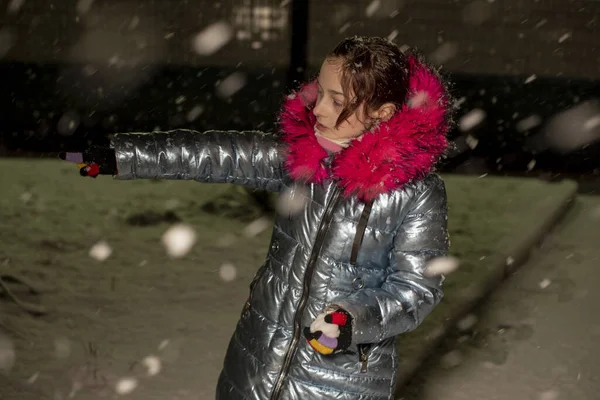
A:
(345, 127)
(351, 123)
(349, 130)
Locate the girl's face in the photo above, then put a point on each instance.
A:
(330, 102)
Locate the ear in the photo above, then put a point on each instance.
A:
(385, 112)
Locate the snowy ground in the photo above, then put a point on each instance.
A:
(140, 319)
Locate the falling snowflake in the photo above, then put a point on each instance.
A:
(467, 322)
(574, 127)
(545, 283)
(256, 227)
(444, 53)
(549, 395)
(227, 272)
(100, 251)
(441, 266)
(152, 364)
(459, 102)
(344, 27)
(528, 123)
(451, 359)
(163, 345)
(292, 200)
(231, 85)
(33, 378)
(530, 79)
(471, 119)
(135, 21)
(194, 113)
(472, 141)
(126, 386)
(372, 8)
(592, 123)
(68, 123)
(178, 240)
(26, 197)
(564, 37)
(393, 35)
(212, 38)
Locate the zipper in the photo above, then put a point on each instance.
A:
(310, 267)
(364, 357)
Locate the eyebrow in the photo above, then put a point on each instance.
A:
(331, 90)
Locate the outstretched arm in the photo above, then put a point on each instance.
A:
(250, 158)
(408, 295)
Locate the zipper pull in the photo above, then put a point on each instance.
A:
(363, 360)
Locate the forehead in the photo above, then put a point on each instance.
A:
(330, 75)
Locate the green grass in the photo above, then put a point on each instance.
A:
(50, 217)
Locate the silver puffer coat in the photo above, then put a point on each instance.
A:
(308, 269)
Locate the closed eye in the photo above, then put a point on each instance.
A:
(332, 93)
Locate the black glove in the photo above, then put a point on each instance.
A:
(94, 161)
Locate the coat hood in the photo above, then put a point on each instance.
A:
(396, 152)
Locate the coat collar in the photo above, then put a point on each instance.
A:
(398, 151)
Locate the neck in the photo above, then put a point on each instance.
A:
(340, 142)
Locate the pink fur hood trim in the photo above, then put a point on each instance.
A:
(398, 151)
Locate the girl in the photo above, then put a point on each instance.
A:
(346, 275)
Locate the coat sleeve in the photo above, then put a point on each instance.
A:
(407, 296)
(251, 158)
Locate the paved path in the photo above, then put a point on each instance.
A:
(538, 335)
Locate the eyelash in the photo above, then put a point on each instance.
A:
(336, 104)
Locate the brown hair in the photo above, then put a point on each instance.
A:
(374, 70)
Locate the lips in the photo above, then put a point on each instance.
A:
(320, 127)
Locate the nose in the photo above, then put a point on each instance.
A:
(318, 109)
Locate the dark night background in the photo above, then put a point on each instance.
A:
(73, 75)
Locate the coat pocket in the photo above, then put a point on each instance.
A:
(257, 276)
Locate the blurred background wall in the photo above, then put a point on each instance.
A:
(543, 37)
(75, 71)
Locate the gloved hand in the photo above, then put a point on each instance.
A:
(330, 332)
(94, 161)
